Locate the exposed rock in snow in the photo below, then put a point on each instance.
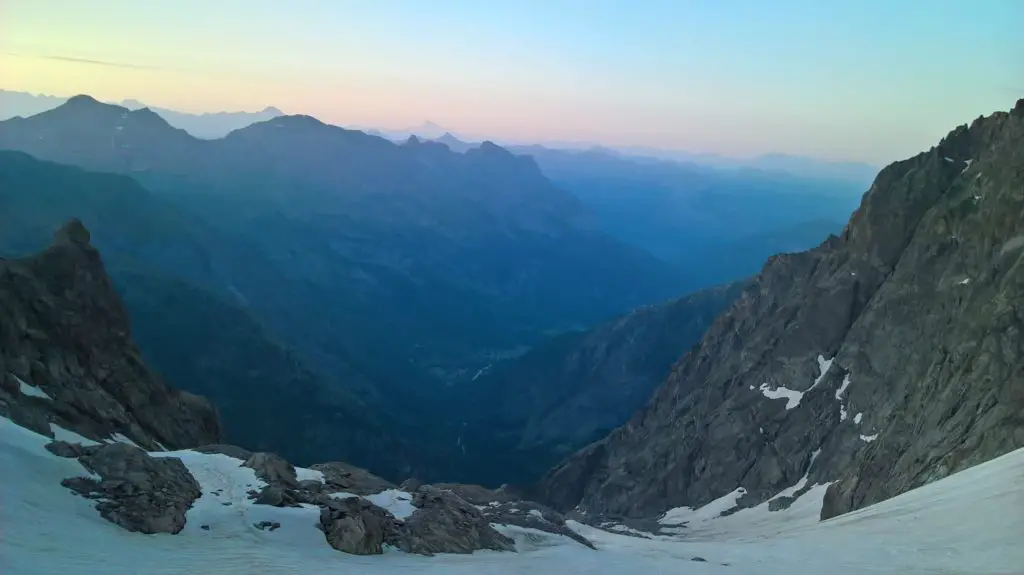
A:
(136, 491)
(445, 523)
(967, 523)
(339, 476)
(356, 526)
(530, 515)
(273, 469)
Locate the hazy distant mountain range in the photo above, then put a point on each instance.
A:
(802, 166)
(218, 124)
(210, 125)
(207, 125)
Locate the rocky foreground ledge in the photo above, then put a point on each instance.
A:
(359, 513)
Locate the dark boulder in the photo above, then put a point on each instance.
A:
(136, 491)
(354, 525)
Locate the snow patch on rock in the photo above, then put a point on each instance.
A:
(791, 396)
(399, 503)
(686, 515)
(839, 396)
(823, 366)
(30, 390)
(303, 474)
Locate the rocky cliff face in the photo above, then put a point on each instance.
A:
(882, 360)
(67, 358)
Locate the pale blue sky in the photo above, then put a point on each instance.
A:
(872, 80)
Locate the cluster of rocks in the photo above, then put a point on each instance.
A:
(152, 495)
(134, 490)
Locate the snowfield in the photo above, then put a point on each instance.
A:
(971, 523)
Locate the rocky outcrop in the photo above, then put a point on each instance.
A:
(356, 526)
(136, 491)
(442, 523)
(532, 516)
(894, 352)
(477, 494)
(67, 357)
(340, 476)
(273, 469)
(445, 523)
(504, 506)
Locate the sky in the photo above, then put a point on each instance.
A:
(869, 80)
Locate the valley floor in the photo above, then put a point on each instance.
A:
(969, 523)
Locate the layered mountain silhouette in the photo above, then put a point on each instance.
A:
(205, 125)
(210, 124)
(389, 270)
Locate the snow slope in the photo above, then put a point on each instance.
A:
(969, 523)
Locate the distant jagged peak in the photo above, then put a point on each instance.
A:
(490, 147)
(449, 138)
